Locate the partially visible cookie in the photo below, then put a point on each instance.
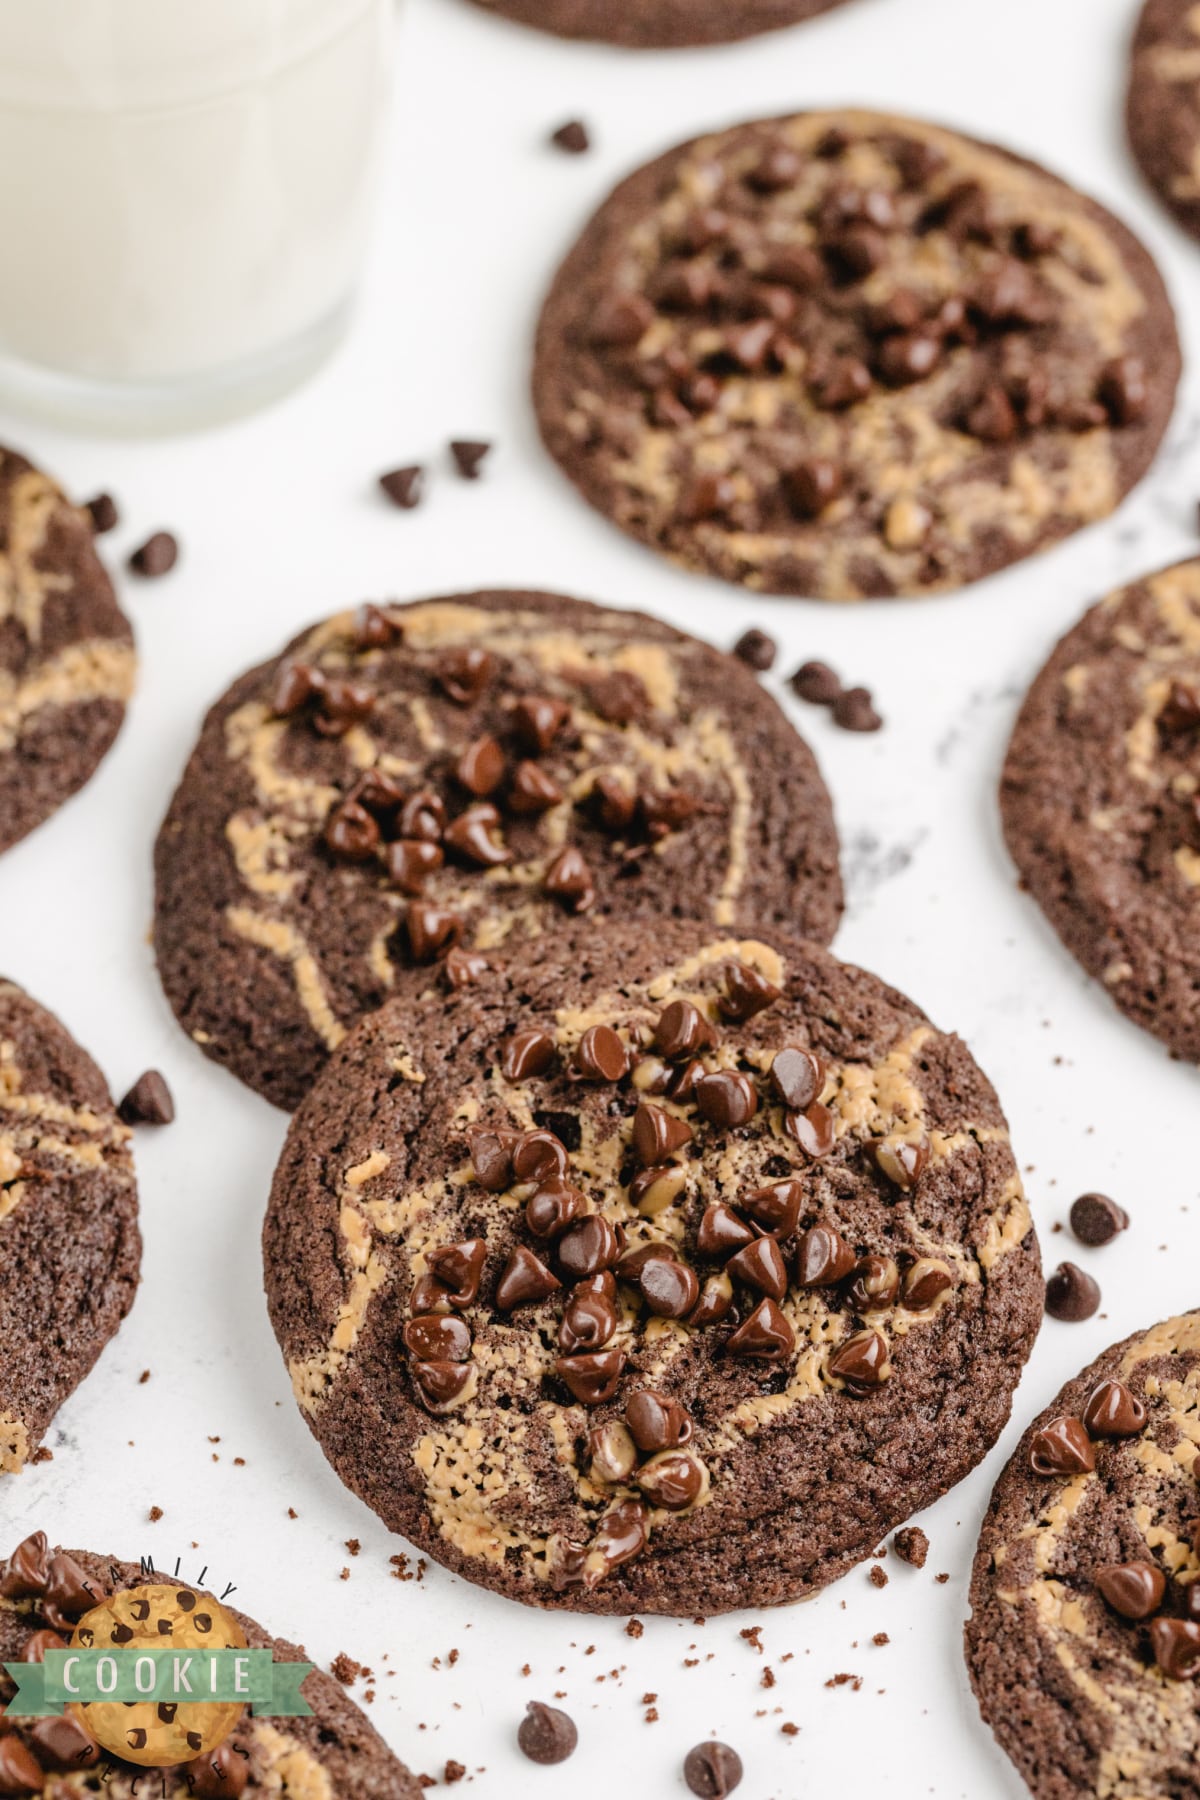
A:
(66, 650)
(404, 791)
(69, 1242)
(659, 24)
(1162, 109)
(849, 355)
(660, 1271)
(1100, 799)
(1084, 1638)
(334, 1753)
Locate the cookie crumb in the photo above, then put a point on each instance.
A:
(155, 1514)
(454, 1771)
(878, 1576)
(345, 1669)
(102, 510)
(634, 1628)
(911, 1546)
(572, 137)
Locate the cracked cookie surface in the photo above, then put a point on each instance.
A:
(849, 355)
(1099, 798)
(1083, 1644)
(1163, 105)
(69, 1242)
(658, 24)
(408, 789)
(66, 650)
(655, 1272)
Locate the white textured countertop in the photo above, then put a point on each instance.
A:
(279, 524)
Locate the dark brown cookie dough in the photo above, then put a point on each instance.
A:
(658, 24)
(746, 1415)
(69, 1242)
(848, 355)
(334, 1755)
(1163, 105)
(66, 650)
(1099, 799)
(1084, 1639)
(612, 766)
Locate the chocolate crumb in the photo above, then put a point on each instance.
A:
(454, 1771)
(911, 1546)
(143, 1378)
(845, 1680)
(634, 1628)
(881, 1638)
(878, 1576)
(941, 1579)
(756, 649)
(572, 137)
(155, 1514)
(790, 1730)
(345, 1669)
(103, 512)
(353, 1546)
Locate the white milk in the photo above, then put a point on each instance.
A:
(184, 184)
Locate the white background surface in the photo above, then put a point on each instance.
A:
(279, 525)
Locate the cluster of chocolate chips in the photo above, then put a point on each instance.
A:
(60, 1592)
(1134, 1590)
(410, 834)
(762, 305)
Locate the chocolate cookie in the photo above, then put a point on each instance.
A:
(1084, 1637)
(658, 1271)
(66, 650)
(405, 790)
(69, 1241)
(335, 1752)
(659, 24)
(1162, 109)
(848, 355)
(1100, 799)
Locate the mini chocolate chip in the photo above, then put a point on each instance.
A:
(464, 673)
(431, 931)
(148, 1101)
(468, 455)
(157, 556)
(408, 861)
(620, 319)
(682, 1030)
(1097, 1220)
(525, 1278)
(727, 1098)
(843, 386)
(526, 1054)
(815, 682)
(1071, 1295)
(854, 710)
(374, 630)
(708, 496)
(423, 816)
(907, 357)
(797, 1076)
(601, 1055)
(823, 1257)
(1176, 1646)
(746, 993)
(1112, 1411)
(712, 1770)
(779, 167)
(721, 1231)
(756, 650)
(573, 138)
(862, 1361)
(342, 703)
(569, 880)
(480, 768)
(462, 968)
(531, 790)
(438, 1337)
(765, 1335)
(545, 1734)
(592, 1378)
(103, 513)
(613, 803)
(1062, 1448)
(1133, 1589)
(760, 1266)
(404, 487)
(669, 1287)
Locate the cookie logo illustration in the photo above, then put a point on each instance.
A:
(157, 1732)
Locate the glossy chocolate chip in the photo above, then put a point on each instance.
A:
(653, 1190)
(903, 1160)
(588, 1322)
(410, 861)
(1112, 1411)
(760, 1266)
(592, 1244)
(620, 319)
(797, 1077)
(554, 1207)
(28, 1568)
(546, 1735)
(613, 804)
(20, 1772)
(812, 486)
(727, 1099)
(1133, 1589)
(472, 837)
(669, 1287)
(1071, 1294)
(656, 1133)
(1176, 1646)
(492, 1157)
(351, 833)
(431, 931)
(765, 1335)
(462, 968)
(812, 1129)
(148, 1101)
(682, 1030)
(592, 1378)
(531, 790)
(925, 1282)
(722, 1231)
(463, 674)
(423, 816)
(481, 766)
(69, 1590)
(601, 1055)
(612, 1453)
(569, 880)
(438, 1337)
(1062, 1448)
(538, 1155)
(775, 1208)
(747, 993)
(712, 1770)
(459, 1268)
(526, 1278)
(862, 1361)
(527, 1054)
(442, 1385)
(537, 721)
(341, 704)
(823, 1257)
(657, 1421)
(715, 1302)
(1097, 1220)
(64, 1743)
(673, 1480)
(873, 1285)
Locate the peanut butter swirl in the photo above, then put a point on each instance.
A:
(638, 1229)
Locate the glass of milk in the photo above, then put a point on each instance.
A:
(185, 188)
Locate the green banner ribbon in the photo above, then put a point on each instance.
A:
(192, 1677)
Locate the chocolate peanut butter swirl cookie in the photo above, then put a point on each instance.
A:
(409, 788)
(658, 24)
(1101, 799)
(66, 650)
(659, 1271)
(848, 355)
(1163, 105)
(334, 1755)
(1084, 1638)
(69, 1242)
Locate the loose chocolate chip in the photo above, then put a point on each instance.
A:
(591, 1245)
(675, 1480)
(156, 556)
(756, 650)
(539, 1156)
(438, 1337)
(459, 1268)
(1097, 1220)
(862, 1361)
(464, 673)
(468, 455)
(1113, 1412)
(553, 1207)
(669, 1287)
(592, 1378)
(1071, 1295)
(712, 1770)
(656, 1133)
(727, 1099)
(747, 993)
(404, 487)
(721, 1231)
(1062, 1448)
(480, 768)
(569, 880)
(526, 1054)
(431, 931)
(925, 1283)
(1133, 1589)
(472, 837)
(545, 1734)
(815, 682)
(775, 1209)
(1122, 389)
(103, 513)
(812, 1129)
(874, 1284)
(588, 1322)
(525, 1278)
(797, 1077)
(854, 710)
(765, 1335)
(601, 1055)
(682, 1030)
(823, 1257)
(573, 138)
(760, 1266)
(531, 790)
(657, 1421)
(1176, 1646)
(148, 1101)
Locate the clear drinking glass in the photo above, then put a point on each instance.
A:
(185, 188)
